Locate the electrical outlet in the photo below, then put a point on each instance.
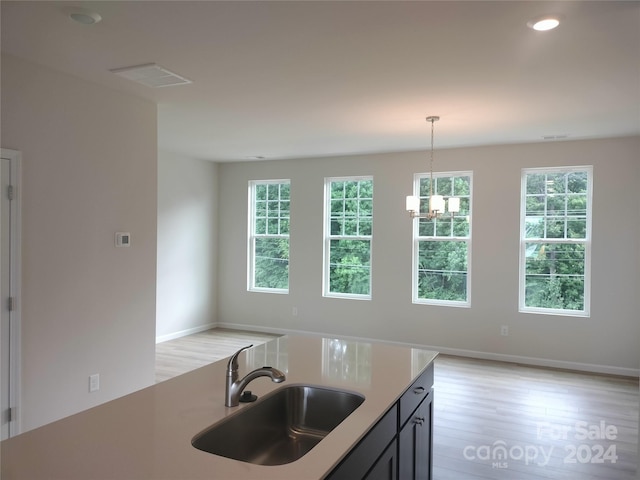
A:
(504, 330)
(94, 382)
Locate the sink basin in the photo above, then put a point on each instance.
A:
(281, 427)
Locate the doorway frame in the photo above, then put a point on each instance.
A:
(15, 157)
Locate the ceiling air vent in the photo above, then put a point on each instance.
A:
(151, 75)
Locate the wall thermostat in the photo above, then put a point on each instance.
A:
(123, 239)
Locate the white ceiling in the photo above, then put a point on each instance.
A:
(320, 78)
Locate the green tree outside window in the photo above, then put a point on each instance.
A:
(555, 243)
(442, 244)
(269, 242)
(348, 237)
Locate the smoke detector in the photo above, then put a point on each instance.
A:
(151, 75)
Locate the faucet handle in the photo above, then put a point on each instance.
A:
(233, 361)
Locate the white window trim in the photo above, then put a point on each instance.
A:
(251, 237)
(415, 248)
(586, 242)
(327, 241)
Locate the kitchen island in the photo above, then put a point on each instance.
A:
(147, 434)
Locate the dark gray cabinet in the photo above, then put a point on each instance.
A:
(386, 467)
(364, 456)
(415, 447)
(416, 421)
(399, 446)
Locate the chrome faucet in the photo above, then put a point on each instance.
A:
(235, 387)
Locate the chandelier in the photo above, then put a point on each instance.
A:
(437, 203)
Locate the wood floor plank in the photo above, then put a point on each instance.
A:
(184, 354)
(482, 405)
(537, 414)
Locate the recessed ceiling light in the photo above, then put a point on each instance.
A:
(542, 24)
(83, 16)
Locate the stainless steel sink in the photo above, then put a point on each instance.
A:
(280, 427)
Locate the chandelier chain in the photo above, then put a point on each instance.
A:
(431, 119)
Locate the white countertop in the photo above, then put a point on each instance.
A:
(147, 434)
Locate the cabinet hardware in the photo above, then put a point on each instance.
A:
(418, 390)
(418, 420)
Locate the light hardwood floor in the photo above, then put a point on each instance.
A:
(184, 354)
(547, 423)
(539, 415)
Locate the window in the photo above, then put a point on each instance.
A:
(442, 246)
(348, 230)
(347, 362)
(555, 240)
(269, 236)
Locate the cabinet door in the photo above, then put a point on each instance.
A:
(364, 455)
(415, 448)
(386, 468)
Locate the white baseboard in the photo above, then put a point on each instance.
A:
(541, 362)
(501, 357)
(183, 333)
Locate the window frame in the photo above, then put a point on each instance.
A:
(252, 236)
(416, 239)
(586, 241)
(328, 237)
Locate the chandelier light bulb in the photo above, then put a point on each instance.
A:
(413, 203)
(454, 205)
(436, 204)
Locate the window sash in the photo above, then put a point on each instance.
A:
(454, 283)
(451, 282)
(555, 233)
(354, 277)
(348, 232)
(269, 244)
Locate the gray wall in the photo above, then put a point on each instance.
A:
(187, 245)
(89, 169)
(89, 158)
(607, 341)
